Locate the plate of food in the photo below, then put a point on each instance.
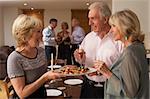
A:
(55, 66)
(70, 70)
(73, 81)
(53, 92)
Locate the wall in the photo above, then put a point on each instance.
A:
(140, 7)
(149, 14)
(1, 27)
(10, 14)
(148, 38)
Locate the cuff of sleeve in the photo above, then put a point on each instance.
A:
(113, 86)
(15, 76)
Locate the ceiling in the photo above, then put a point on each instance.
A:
(48, 4)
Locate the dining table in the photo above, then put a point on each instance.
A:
(69, 86)
(68, 91)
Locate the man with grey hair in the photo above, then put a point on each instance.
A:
(97, 45)
(77, 36)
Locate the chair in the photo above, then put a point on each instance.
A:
(6, 90)
(4, 53)
(3, 63)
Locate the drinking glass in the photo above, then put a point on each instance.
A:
(81, 53)
(98, 84)
(99, 74)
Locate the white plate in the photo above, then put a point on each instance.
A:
(73, 81)
(55, 66)
(53, 92)
(61, 88)
(91, 70)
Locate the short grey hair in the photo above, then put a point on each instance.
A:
(102, 7)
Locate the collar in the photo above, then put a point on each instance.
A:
(50, 27)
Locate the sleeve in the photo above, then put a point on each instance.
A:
(82, 46)
(127, 79)
(46, 34)
(80, 35)
(130, 74)
(14, 67)
(113, 86)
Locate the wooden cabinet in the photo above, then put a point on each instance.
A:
(39, 13)
(82, 16)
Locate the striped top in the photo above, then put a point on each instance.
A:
(31, 68)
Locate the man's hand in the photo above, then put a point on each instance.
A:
(79, 55)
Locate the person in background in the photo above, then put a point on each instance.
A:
(77, 36)
(98, 44)
(49, 39)
(128, 77)
(27, 65)
(64, 40)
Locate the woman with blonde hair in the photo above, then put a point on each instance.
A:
(128, 76)
(26, 66)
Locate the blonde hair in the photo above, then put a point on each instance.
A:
(102, 7)
(22, 28)
(128, 24)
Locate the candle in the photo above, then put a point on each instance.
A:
(56, 53)
(52, 61)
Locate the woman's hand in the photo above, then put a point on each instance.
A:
(102, 68)
(79, 55)
(50, 75)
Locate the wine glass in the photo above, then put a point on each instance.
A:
(98, 84)
(81, 53)
(63, 88)
(98, 74)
